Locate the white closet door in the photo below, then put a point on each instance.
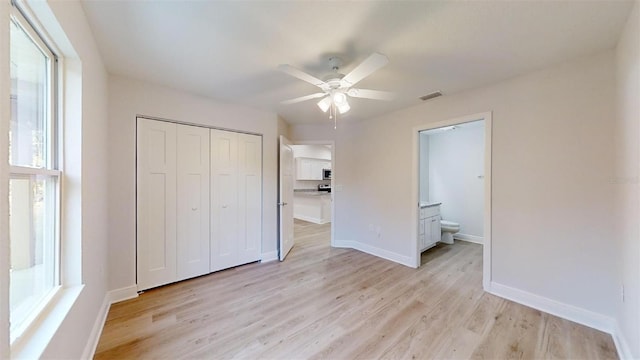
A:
(224, 199)
(249, 198)
(192, 201)
(156, 203)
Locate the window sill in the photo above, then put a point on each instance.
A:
(37, 336)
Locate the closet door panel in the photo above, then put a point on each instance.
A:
(155, 203)
(249, 198)
(224, 203)
(193, 201)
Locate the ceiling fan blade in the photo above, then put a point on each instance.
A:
(371, 94)
(285, 68)
(303, 98)
(374, 62)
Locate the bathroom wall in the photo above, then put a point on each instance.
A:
(456, 177)
(424, 167)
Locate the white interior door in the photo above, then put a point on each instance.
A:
(224, 199)
(192, 201)
(156, 203)
(285, 204)
(249, 198)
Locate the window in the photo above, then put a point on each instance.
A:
(34, 179)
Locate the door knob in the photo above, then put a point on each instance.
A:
(224, 206)
(194, 208)
(282, 203)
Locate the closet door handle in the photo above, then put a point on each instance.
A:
(224, 206)
(194, 208)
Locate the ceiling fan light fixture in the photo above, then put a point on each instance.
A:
(339, 98)
(344, 107)
(324, 104)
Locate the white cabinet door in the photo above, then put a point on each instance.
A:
(155, 203)
(224, 204)
(192, 201)
(236, 199)
(305, 169)
(436, 233)
(249, 198)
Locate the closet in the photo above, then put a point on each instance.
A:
(199, 201)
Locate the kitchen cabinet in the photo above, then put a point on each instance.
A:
(313, 207)
(429, 231)
(311, 169)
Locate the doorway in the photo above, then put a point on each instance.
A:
(452, 186)
(310, 212)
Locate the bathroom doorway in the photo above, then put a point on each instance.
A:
(453, 188)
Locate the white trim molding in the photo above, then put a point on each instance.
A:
(111, 297)
(269, 256)
(568, 312)
(122, 294)
(624, 351)
(469, 238)
(311, 219)
(553, 307)
(376, 251)
(96, 331)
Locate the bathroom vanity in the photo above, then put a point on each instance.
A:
(429, 225)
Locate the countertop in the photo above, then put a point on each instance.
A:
(428, 204)
(306, 192)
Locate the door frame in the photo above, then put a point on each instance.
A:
(415, 186)
(333, 178)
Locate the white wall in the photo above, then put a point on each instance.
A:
(626, 181)
(456, 162)
(128, 98)
(552, 142)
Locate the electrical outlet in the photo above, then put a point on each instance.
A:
(378, 231)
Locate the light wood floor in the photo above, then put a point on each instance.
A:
(342, 304)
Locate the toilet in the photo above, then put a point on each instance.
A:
(448, 228)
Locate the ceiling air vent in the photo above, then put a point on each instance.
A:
(434, 94)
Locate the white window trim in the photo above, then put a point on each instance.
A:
(31, 336)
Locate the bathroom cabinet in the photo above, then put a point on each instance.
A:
(429, 226)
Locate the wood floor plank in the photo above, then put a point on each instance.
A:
(328, 303)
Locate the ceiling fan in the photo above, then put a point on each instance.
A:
(336, 87)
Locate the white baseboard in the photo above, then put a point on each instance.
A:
(122, 294)
(375, 251)
(269, 256)
(624, 351)
(111, 297)
(469, 238)
(311, 219)
(96, 331)
(563, 310)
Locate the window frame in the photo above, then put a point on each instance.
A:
(49, 170)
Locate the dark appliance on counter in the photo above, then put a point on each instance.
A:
(324, 187)
(326, 174)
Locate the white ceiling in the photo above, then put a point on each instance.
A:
(229, 50)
